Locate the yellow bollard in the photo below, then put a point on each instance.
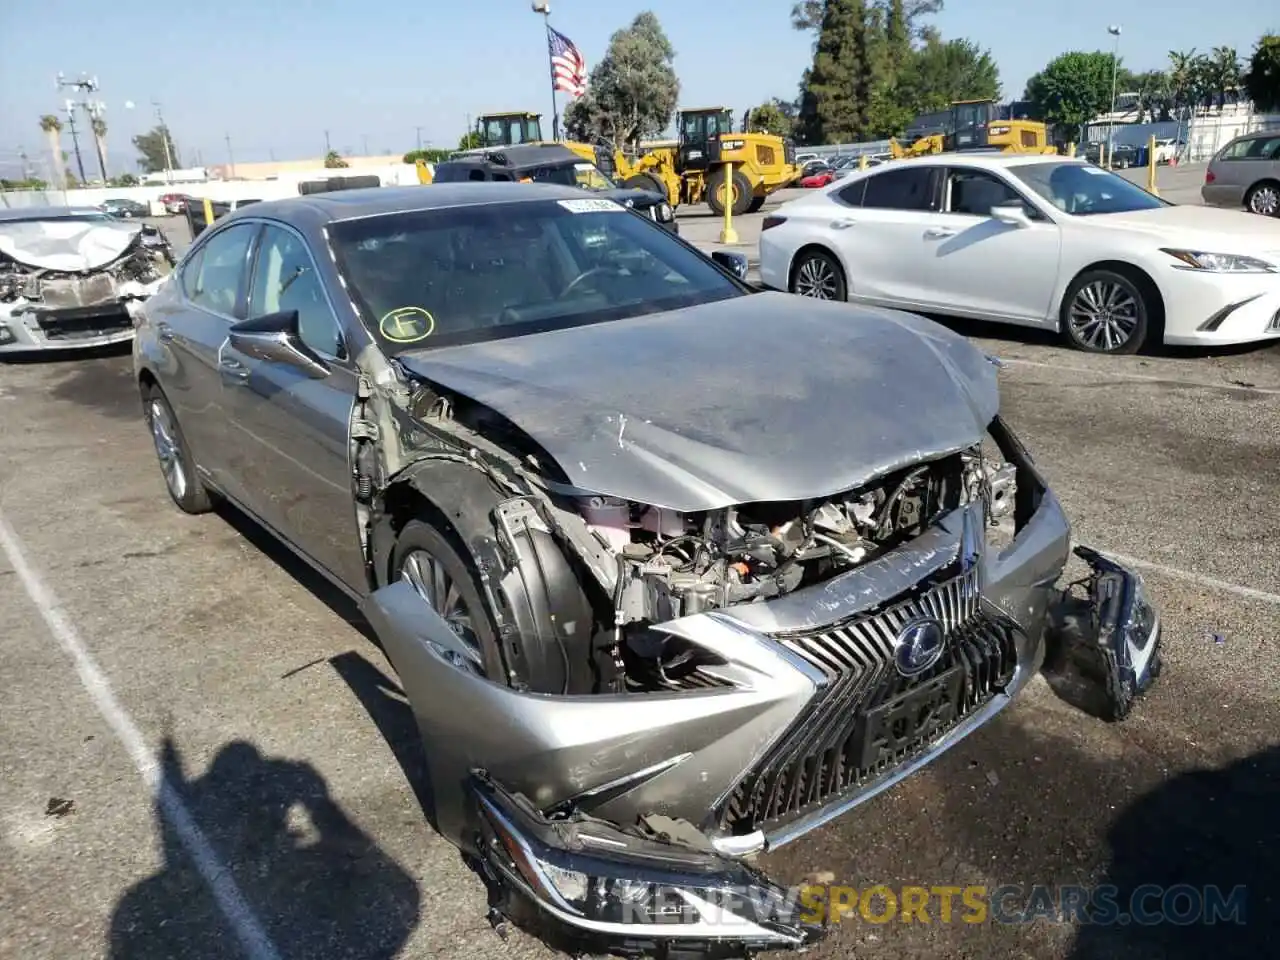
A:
(208, 213)
(1151, 166)
(862, 162)
(728, 234)
(1071, 149)
(1104, 161)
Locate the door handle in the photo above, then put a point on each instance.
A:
(233, 369)
(844, 224)
(937, 233)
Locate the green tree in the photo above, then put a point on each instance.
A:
(125, 180)
(941, 72)
(1224, 73)
(470, 140)
(1262, 77)
(834, 108)
(775, 116)
(1073, 88)
(429, 154)
(1152, 88)
(333, 160)
(807, 14)
(151, 150)
(633, 90)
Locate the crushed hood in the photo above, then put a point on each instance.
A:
(760, 397)
(67, 244)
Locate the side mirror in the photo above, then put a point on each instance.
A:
(274, 337)
(735, 263)
(1014, 214)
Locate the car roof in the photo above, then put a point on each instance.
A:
(514, 159)
(318, 209)
(47, 213)
(991, 161)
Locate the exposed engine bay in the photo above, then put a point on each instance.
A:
(673, 565)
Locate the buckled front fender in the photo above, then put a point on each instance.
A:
(1103, 649)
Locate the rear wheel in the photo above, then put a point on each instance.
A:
(426, 560)
(1105, 312)
(1264, 199)
(718, 190)
(818, 274)
(176, 462)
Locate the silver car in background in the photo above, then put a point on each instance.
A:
(1246, 173)
(673, 570)
(73, 277)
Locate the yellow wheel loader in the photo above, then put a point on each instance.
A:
(694, 168)
(976, 125)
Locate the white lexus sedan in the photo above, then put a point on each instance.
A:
(1040, 241)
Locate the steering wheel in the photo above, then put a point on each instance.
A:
(590, 272)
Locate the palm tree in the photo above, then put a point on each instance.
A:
(1226, 72)
(52, 128)
(99, 128)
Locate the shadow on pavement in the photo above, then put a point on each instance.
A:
(1204, 829)
(316, 883)
(387, 706)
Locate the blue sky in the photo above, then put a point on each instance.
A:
(275, 75)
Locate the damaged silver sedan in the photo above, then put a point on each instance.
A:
(673, 570)
(73, 277)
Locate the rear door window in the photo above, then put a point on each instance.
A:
(214, 278)
(906, 188)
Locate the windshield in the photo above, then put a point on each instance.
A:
(1082, 189)
(466, 274)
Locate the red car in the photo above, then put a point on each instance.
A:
(819, 178)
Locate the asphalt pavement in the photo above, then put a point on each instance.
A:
(205, 756)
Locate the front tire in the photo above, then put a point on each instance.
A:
(1105, 312)
(817, 274)
(176, 463)
(740, 187)
(1264, 199)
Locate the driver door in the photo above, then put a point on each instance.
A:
(289, 429)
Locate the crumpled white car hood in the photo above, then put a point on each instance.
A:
(67, 244)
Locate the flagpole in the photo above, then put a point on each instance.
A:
(544, 8)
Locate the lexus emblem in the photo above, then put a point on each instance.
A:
(918, 646)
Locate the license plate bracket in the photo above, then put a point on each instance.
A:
(900, 726)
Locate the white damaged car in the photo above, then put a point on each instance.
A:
(72, 277)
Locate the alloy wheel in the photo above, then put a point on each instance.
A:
(164, 435)
(1265, 200)
(432, 582)
(1103, 315)
(815, 278)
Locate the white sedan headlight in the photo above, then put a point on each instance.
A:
(1221, 262)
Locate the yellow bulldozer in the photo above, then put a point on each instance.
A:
(691, 169)
(976, 125)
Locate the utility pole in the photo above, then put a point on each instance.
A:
(231, 156)
(75, 140)
(164, 138)
(327, 149)
(364, 138)
(1114, 30)
(544, 8)
(418, 132)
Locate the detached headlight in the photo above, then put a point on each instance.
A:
(1220, 262)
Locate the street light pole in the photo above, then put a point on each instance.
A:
(164, 140)
(1114, 30)
(544, 7)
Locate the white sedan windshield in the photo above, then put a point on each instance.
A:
(1081, 189)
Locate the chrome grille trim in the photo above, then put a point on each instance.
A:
(832, 750)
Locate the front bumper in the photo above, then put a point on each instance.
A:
(26, 329)
(627, 817)
(1205, 308)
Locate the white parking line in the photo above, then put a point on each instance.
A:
(215, 873)
(1213, 583)
(1121, 375)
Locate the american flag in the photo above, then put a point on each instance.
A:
(568, 69)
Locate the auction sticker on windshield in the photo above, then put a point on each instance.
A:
(592, 205)
(407, 325)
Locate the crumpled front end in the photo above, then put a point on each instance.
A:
(627, 815)
(60, 294)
